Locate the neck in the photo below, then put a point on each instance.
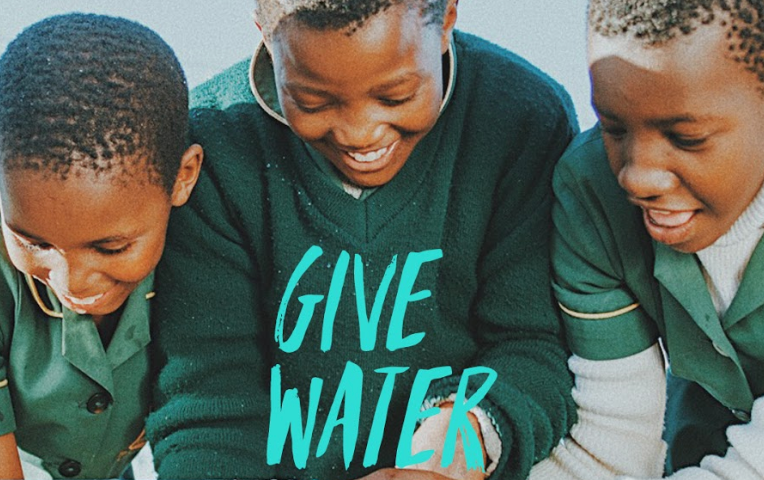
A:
(106, 325)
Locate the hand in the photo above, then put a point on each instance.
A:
(404, 474)
(431, 435)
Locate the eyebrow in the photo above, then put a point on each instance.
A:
(398, 81)
(660, 122)
(306, 89)
(292, 86)
(100, 241)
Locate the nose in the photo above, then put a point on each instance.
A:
(643, 169)
(359, 127)
(72, 274)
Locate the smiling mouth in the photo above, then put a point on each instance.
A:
(670, 227)
(81, 305)
(371, 161)
(85, 301)
(369, 157)
(668, 218)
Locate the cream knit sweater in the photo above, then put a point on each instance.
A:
(618, 434)
(621, 402)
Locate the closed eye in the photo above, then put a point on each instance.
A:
(686, 143)
(311, 109)
(394, 102)
(112, 251)
(614, 132)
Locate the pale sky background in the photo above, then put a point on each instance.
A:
(213, 34)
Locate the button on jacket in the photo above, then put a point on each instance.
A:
(75, 406)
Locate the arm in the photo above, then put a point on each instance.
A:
(744, 459)
(620, 378)
(211, 392)
(516, 326)
(430, 435)
(620, 420)
(10, 465)
(626, 439)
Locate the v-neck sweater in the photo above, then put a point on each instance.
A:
(477, 188)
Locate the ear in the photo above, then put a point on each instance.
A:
(188, 174)
(449, 21)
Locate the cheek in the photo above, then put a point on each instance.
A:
(132, 266)
(308, 127)
(421, 115)
(613, 155)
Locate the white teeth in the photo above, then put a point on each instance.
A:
(668, 218)
(368, 157)
(84, 301)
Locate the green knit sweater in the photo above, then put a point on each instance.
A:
(476, 190)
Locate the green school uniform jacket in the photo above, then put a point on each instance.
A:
(477, 188)
(78, 408)
(620, 291)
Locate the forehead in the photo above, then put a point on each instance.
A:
(25, 190)
(695, 71)
(698, 49)
(395, 38)
(79, 208)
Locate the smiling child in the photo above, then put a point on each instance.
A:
(371, 132)
(93, 121)
(659, 217)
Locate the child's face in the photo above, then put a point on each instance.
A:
(683, 126)
(91, 240)
(363, 100)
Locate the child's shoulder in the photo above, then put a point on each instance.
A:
(507, 80)
(583, 180)
(227, 88)
(585, 161)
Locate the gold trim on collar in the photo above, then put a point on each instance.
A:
(36, 295)
(599, 316)
(3, 383)
(273, 113)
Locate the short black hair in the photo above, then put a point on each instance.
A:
(92, 92)
(657, 21)
(350, 15)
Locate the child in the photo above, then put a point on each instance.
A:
(659, 218)
(371, 135)
(93, 119)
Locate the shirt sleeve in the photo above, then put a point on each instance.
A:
(620, 421)
(603, 319)
(618, 435)
(7, 304)
(7, 419)
(744, 459)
